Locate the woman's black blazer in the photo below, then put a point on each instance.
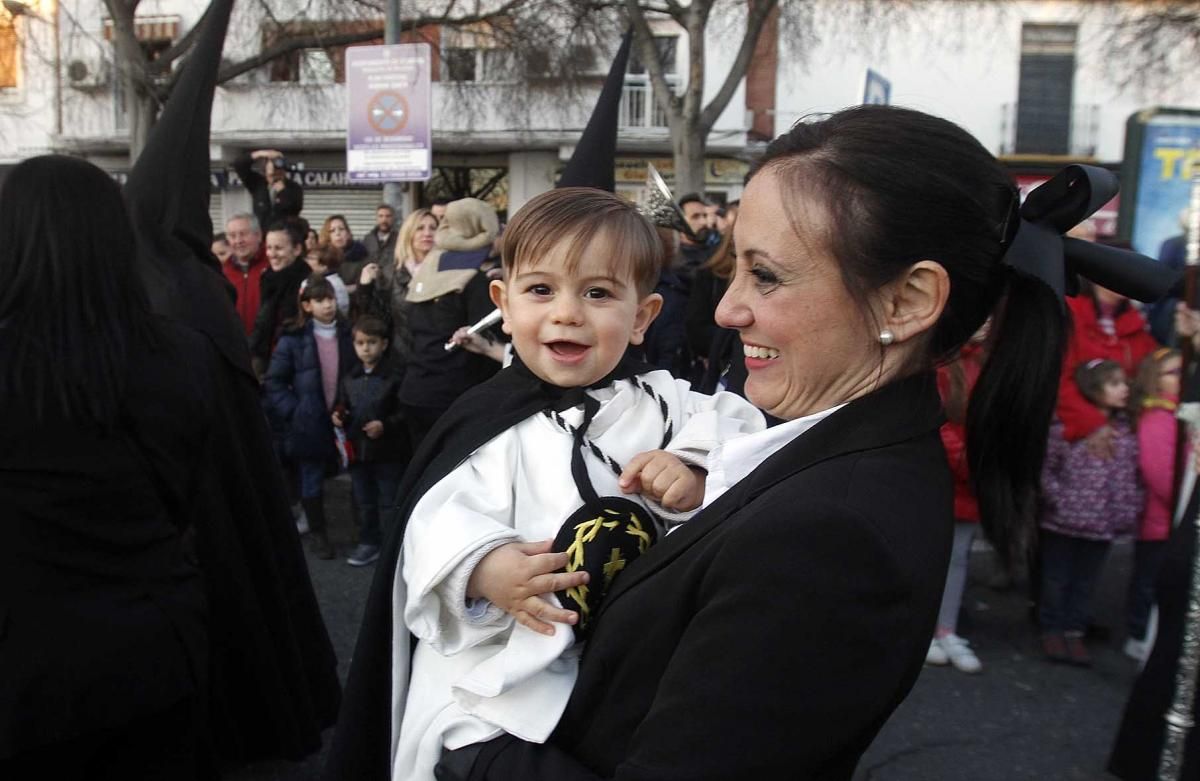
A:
(771, 636)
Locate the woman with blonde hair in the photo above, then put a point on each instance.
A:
(382, 290)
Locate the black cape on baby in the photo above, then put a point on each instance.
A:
(362, 742)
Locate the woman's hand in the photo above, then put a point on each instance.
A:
(369, 273)
(665, 479)
(514, 576)
(474, 343)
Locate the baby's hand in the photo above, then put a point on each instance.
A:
(664, 478)
(514, 576)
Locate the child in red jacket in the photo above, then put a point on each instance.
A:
(955, 382)
(1103, 325)
(1156, 392)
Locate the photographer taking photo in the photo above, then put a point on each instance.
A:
(274, 195)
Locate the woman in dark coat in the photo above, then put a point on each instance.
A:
(773, 634)
(104, 412)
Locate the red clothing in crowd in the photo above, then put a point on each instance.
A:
(954, 435)
(246, 283)
(1130, 343)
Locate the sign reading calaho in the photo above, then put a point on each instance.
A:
(389, 99)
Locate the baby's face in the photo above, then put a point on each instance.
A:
(571, 327)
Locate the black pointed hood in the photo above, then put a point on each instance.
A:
(167, 191)
(592, 163)
(167, 194)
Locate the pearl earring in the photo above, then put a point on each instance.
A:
(886, 337)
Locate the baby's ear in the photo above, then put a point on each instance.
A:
(648, 309)
(498, 293)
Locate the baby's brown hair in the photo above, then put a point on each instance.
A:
(581, 215)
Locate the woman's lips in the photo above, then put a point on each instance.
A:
(758, 357)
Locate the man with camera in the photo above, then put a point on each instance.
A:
(274, 195)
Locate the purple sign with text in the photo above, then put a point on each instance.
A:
(389, 99)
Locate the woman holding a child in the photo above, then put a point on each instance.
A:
(773, 634)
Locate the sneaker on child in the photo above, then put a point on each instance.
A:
(936, 655)
(958, 652)
(363, 555)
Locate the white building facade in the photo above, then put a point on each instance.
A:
(1036, 82)
(486, 123)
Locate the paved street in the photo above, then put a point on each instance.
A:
(1022, 718)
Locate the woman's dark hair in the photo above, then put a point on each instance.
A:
(900, 186)
(295, 232)
(72, 302)
(1091, 376)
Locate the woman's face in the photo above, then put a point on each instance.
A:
(806, 340)
(311, 240)
(422, 240)
(339, 234)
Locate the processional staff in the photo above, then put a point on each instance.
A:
(1179, 717)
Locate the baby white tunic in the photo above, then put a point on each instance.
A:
(477, 673)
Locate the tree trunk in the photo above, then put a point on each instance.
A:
(142, 112)
(688, 145)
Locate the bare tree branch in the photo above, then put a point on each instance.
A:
(760, 12)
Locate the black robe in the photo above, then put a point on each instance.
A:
(273, 675)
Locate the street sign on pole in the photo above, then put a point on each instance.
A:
(389, 99)
(876, 89)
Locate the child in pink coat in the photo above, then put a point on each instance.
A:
(1156, 395)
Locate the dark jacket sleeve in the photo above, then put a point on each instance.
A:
(372, 299)
(394, 420)
(252, 180)
(700, 319)
(289, 201)
(280, 397)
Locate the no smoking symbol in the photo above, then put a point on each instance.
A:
(388, 112)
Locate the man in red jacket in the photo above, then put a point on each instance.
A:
(245, 267)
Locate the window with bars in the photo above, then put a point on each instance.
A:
(1044, 92)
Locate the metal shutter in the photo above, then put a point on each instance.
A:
(216, 211)
(358, 206)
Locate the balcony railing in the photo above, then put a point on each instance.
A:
(639, 109)
(1083, 136)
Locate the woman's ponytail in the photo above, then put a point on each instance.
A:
(1010, 410)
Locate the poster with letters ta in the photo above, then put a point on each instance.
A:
(389, 100)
